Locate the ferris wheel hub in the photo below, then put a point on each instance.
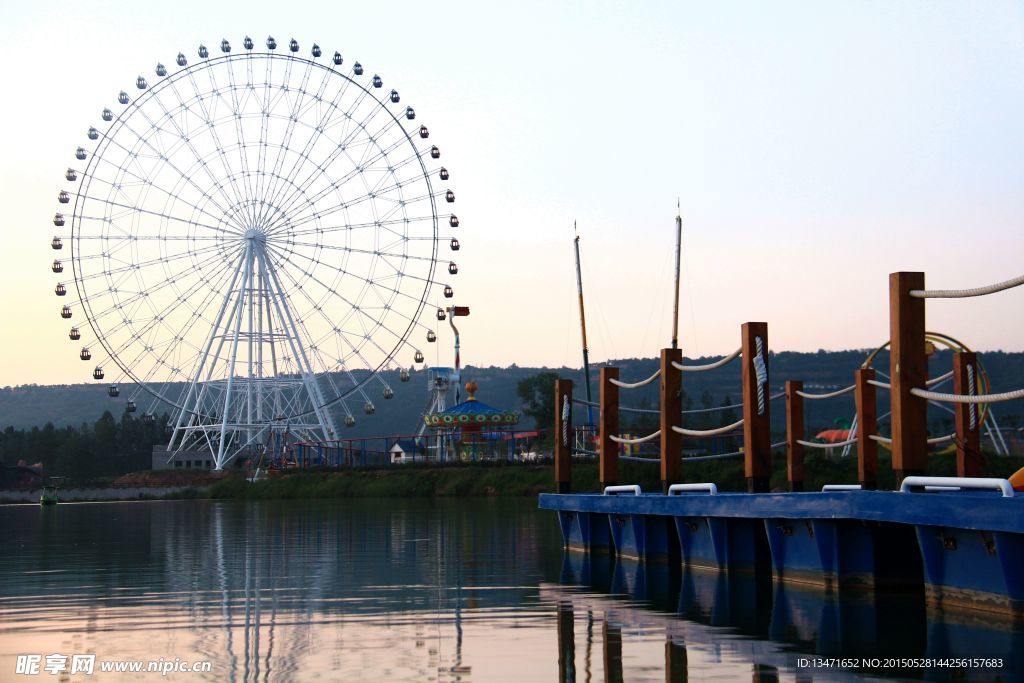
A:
(256, 236)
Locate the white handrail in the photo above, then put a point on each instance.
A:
(880, 385)
(710, 366)
(639, 439)
(962, 293)
(708, 432)
(969, 398)
(635, 385)
(837, 444)
(840, 392)
(960, 483)
(709, 488)
(879, 438)
(939, 379)
(841, 487)
(625, 488)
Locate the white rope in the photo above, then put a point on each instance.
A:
(565, 420)
(963, 293)
(881, 385)
(708, 432)
(694, 458)
(973, 410)
(710, 366)
(941, 439)
(631, 442)
(636, 385)
(879, 439)
(966, 398)
(761, 370)
(940, 379)
(812, 444)
(831, 395)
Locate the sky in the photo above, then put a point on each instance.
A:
(813, 147)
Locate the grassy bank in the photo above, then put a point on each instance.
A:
(528, 480)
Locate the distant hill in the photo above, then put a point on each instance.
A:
(33, 405)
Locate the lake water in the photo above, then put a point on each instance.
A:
(423, 590)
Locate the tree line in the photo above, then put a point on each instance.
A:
(106, 448)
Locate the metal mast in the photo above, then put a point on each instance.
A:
(583, 328)
(675, 307)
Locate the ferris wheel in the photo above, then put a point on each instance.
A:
(252, 236)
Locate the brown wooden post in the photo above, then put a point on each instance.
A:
(675, 661)
(908, 365)
(757, 437)
(671, 402)
(969, 462)
(611, 637)
(608, 464)
(563, 435)
(794, 434)
(566, 643)
(867, 425)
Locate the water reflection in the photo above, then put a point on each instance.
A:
(279, 591)
(426, 590)
(773, 626)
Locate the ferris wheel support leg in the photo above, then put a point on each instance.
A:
(285, 314)
(206, 354)
(237, 314)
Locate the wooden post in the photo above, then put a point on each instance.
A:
(794, 434)
(611, 637)
(675, 662)
(563, 435)
(608, 464)
(908, 366)
(566, 643)
(757, 438)
(671, 402)
(867, 425)
(969, 462)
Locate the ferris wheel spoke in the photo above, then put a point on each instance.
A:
(184, 138)
(318, 130)
(347, 139)
(373, 281)
(136, 297)
(243, 152)
(376, 193)
(140, 181)
(208, 119)
(136, 335)
(365, 316)
(293, 118)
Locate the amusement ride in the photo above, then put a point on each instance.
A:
(249, 236)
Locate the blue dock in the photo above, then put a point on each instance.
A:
(964, 548)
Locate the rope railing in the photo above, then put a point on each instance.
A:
(632, 442)
(708, 432)
(939, 380)
(692, 411)
(879, 438)
(694, 458)
(880, 385)
(837, 444)
(941, 439)
(968, 398)
(636, 385)
(840, 392)
(964, 293)
(709, 366)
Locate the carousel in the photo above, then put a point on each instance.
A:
(472, 430)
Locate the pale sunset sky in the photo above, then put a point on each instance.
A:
(814, 148)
